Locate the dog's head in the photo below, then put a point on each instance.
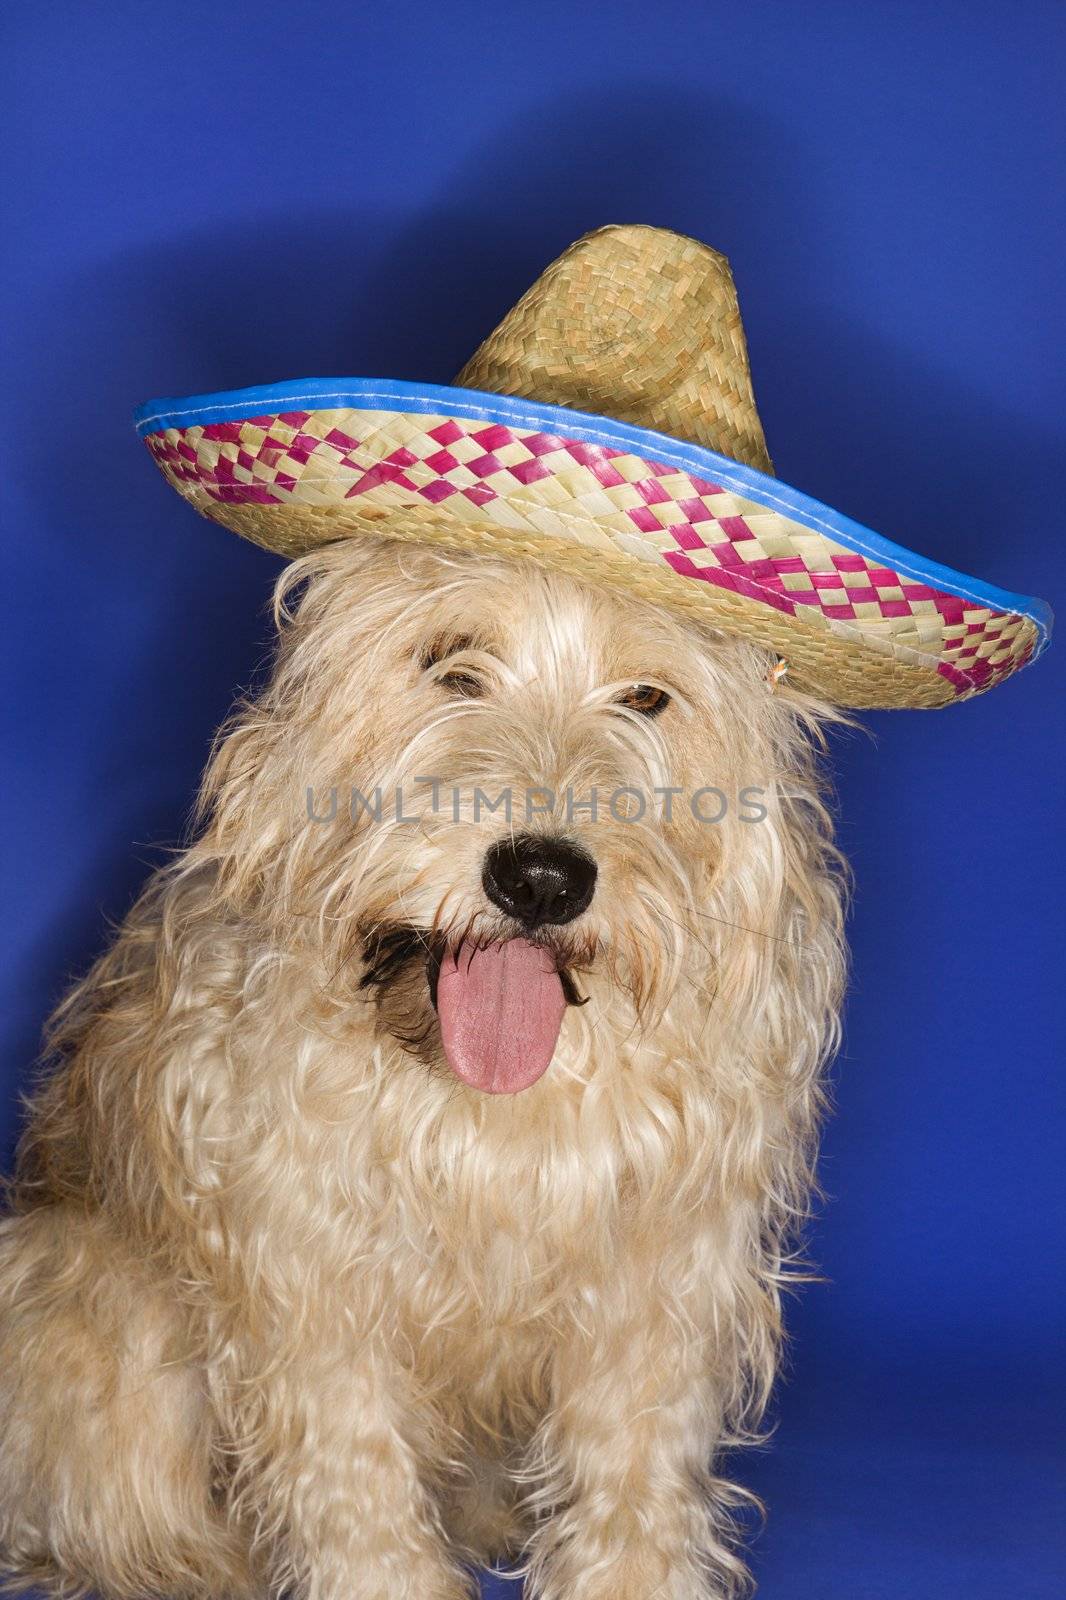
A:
(492, 803)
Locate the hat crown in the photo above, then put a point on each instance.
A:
(636, 323)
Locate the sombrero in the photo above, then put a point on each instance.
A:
(606, 428)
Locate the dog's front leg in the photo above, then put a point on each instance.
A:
(622, 1469)
(334, 1482)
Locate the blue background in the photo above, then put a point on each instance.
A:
(206, 196)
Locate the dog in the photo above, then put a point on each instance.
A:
(414, 1181)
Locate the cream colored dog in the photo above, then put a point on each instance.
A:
(416, 1180)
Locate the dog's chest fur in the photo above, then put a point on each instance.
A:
(484, 1238)
(501, 1237)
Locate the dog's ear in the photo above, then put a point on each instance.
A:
(244, 835)
(341, 611)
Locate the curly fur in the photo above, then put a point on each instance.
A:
(284, 1305)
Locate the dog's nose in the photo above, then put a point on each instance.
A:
(539, 880)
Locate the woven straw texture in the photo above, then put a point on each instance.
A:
(859, 634)
(642, 326)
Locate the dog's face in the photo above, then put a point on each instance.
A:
(511, 795)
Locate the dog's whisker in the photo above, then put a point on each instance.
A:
(756, 933)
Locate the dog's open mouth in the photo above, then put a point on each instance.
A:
(499, 1005)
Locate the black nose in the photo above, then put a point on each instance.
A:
(539, 880)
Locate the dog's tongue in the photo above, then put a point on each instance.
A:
(500, 1011)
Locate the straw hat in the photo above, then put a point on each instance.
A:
(606, 428)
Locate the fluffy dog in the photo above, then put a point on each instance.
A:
(415, 1183)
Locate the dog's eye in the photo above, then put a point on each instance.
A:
(458, 682)
(645, 698)
(461, 683)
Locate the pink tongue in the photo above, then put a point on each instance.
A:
(500, 1011)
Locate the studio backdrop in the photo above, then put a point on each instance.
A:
(221, 195)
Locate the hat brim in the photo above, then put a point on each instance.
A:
(859, 620)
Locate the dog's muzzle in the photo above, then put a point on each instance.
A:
(499, 1000)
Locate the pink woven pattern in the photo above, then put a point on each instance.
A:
(517, 476)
